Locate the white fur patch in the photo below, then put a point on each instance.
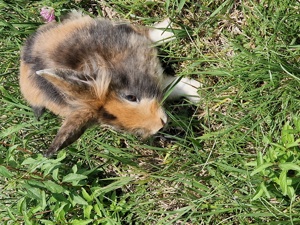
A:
(159, 33)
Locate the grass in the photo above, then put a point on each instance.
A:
(231, 159)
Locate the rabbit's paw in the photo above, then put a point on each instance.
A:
(190, 89)
(182, 87)
(161, 32)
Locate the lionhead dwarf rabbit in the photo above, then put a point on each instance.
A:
(94, 71)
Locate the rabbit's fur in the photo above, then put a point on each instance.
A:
(93, 71)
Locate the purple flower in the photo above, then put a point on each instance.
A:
(48, 14)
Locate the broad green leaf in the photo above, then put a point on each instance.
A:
(77, 199)
(87, 197)
(252, 163)
(5, 172)
(272, 154)
(266, 140)
(287, 136)
(26, 218)
(60, 212)
(97, 210)
(291, 193)
(87, 209)
(60, 197)
(74, 168)
(73, 177)
(61, 156)
(49, 167)
(10, 214)
(260, 159)
(296, 122)
(55, 174)
(294, 144)
(282, 182)
(47, 222)
(34, 163)
(259, 193)
(35, 183)
(32, 192)
(21, 205)
(289, 166)
(261, 168)
(278, 146)
(44, 201)
(81, 222)
(53, 187)
(29, 161)
(34, 210)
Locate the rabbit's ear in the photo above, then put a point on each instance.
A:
(75, 84)
(72, 128)
(65, 80)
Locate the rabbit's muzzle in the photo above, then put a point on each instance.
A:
(143, 118)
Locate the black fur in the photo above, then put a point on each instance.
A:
(38, 111)
(106, 115)
(147, 87)
(49, 90)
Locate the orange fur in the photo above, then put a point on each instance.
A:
(36, 96)
(145, 118)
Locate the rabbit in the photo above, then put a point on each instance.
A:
(94, 71)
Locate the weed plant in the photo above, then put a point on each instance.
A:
(234, 158)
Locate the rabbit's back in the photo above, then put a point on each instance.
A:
(73, 43)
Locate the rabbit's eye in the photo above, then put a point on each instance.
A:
(131, 98)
